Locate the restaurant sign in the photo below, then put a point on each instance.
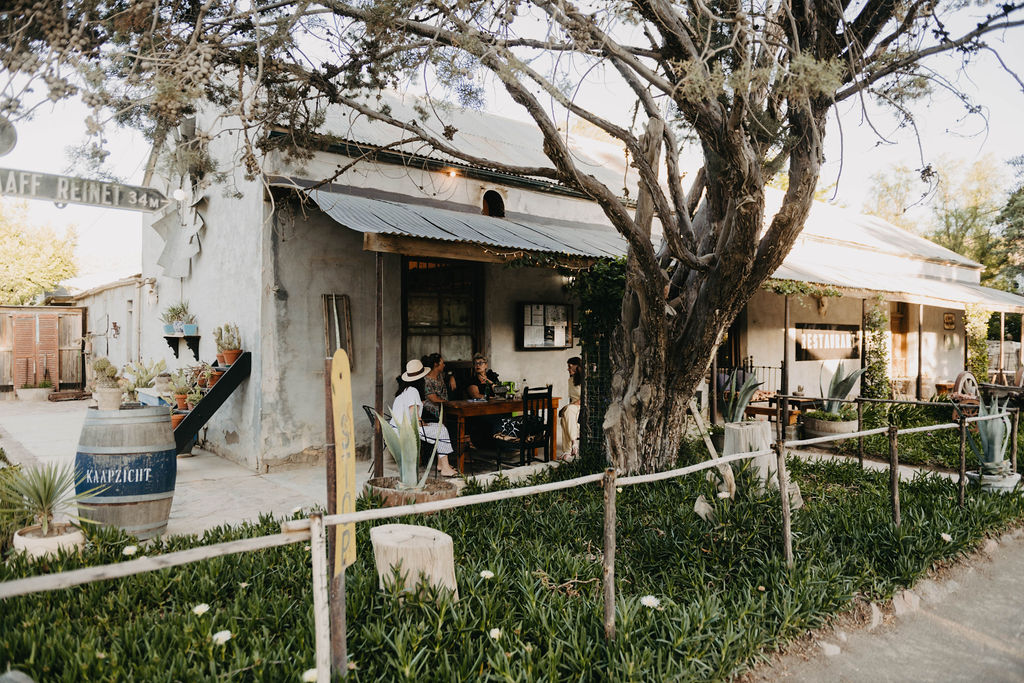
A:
(826, 342)
(68, 190)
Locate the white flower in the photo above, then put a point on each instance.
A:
(306, 548)
(243, 584)
(309, 676)
(296, 510)
(495, 633)
(221, 637)
(723, 494)
(618, 489)
(200, 609)
(101, 655)
(351, 665)
(650, 601)
(487, 574)
(947, 538)
(130, 550)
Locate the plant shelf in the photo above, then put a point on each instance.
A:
(191, 340)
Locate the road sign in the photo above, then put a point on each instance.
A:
(67, 190)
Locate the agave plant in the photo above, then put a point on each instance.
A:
(989, 444)
(735, 400)
(839, 388)
(404, 444)
(42, 492)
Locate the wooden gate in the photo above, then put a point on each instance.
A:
(38, 343)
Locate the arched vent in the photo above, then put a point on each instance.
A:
(494, 205)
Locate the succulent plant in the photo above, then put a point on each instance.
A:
(839, 388)
(141, 375)
(735, 400)
(106, 373)
(989, 445)
(227, 337)
(404, 444)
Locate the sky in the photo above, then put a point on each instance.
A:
(109, 240)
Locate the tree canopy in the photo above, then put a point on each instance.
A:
(749, 84)
(33, 259)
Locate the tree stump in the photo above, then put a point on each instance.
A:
(414, 550)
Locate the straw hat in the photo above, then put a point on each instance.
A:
(414, 370)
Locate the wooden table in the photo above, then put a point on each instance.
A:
(460, 410)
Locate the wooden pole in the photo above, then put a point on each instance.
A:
(378, 399)
(321, 617)
(785, 346)
(713, 391)
(894, 475)
(332, 474)
(1002, 336)
(337, 583)
(609, 553)
(787, 530)
(860, 428)
(920, 352)
(863, 333)
(963, 458)
(1014, 424)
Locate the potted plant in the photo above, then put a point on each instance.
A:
(733, 403)
(201, 374)
(194, 397)
(229, 343)
(834, 417)
(35, 392)
(180, 387)
(176, 417)
(108, 389)
(403, 443)
(188, 325)
(141, 375)
(38, 494)
(989, 447)
(175, 317)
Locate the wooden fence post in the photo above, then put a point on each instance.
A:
(963, 457)
(787, 531)
(321, 609)
(894, 474)
(860, 428)
(609, 553)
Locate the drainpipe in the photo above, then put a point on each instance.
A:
(138, 321)
(378, 442)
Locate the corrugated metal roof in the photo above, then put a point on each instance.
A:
(848, 264)
(393, 218)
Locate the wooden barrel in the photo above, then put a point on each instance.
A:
(129, 458)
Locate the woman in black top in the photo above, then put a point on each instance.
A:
(481, 385)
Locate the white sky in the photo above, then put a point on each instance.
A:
(109, 240)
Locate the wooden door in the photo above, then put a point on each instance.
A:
(899, 325)
(24, 350)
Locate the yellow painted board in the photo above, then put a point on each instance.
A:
(345, 459)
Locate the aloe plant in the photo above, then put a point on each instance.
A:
(989, 444)
(42, 492)
(404, 444)
(735, 399)
(839, 388)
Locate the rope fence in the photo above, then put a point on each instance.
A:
(314, 528)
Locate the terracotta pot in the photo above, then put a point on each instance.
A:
(215, 377)
(220, 358)
(202, 381)
(231, 355)
(30, 541)
(176, 419)
(180, 399)
(434, 489)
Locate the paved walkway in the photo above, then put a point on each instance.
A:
(210, 491)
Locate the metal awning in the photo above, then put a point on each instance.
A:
(509, 235)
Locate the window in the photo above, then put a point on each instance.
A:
(442, 308)
(494, 205)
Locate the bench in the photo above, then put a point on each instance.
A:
(771, 412)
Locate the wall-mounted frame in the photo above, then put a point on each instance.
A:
(543, 326)
(949, 321)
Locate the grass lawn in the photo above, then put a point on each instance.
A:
(725, 596)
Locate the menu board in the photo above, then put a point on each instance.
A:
(544, 326)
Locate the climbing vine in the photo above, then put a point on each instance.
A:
(976, 323)
(785, 287)
(875, 383)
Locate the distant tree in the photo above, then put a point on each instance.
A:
(752, 85)
(893, 193)
(33, 259)
(965, 212)
(1011, 222)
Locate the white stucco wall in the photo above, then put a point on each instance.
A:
(942, 350)
(113, 320)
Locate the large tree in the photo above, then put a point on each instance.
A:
(751, 84)
(33, 259)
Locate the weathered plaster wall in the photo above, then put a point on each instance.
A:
(942, 350)
(224, 286)
(120, 305)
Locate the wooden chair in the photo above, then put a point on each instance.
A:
(535, 427)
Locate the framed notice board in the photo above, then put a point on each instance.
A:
(541, 326)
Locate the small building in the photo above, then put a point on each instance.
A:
(404, 251)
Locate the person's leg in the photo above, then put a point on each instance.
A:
(437, 432)
(570, 429)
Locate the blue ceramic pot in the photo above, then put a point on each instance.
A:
(168, 329)
(191, 330)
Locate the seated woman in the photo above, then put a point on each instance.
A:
(570, 413)
(408, 404)
(481, 385)
(435, 387)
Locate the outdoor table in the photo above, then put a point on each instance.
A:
(460, 410)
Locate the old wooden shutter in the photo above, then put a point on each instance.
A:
(47, 347)
(24, 349)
